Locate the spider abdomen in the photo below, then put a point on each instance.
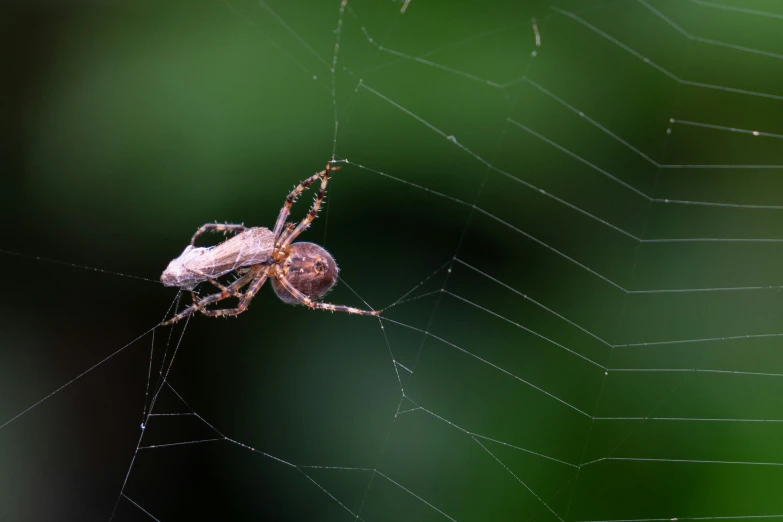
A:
(310, 269)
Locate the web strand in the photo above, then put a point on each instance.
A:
(85, 372)
(75, 265)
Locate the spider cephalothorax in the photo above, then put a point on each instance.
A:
(301, 273)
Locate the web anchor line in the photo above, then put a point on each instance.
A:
(76, 265)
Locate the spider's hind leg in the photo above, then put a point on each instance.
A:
(217, 284)
(228, 291)
(259, 278)
(217, 227)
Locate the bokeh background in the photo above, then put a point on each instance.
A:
(126, 126)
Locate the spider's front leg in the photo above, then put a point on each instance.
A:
(289, 200)
(317, 305)
(287, 230)
(313, 210)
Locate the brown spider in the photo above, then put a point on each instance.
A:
(301, 273)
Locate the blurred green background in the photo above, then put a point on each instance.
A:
(126, 126)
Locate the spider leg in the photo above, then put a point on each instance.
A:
(289, 201)
(322, 306)
(313, 210)
(230, 290)
(287, 229)
(259, 279)
(217, 227)
(218, 285)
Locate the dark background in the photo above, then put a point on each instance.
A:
(127, 126)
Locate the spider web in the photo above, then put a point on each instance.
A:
(569, 214)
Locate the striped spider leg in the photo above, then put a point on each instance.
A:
(291, 198)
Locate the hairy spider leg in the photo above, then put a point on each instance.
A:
(260, 278)
(217, 227)
(313, 210)
(287, 229)
(217, 284)
(316, 305)
(289, 201)
(228, 291)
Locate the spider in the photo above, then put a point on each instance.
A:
(301, 273)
